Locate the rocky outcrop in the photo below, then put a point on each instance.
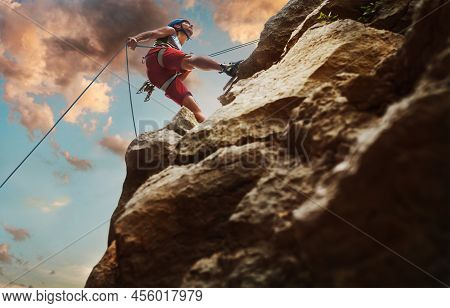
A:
(327, 169)
(149, 154)
(284, 29)
(276, 33)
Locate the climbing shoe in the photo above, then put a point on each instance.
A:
(230, 69)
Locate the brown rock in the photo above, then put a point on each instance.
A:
(275, 35)
(104, 274)
(180, 215)
(149, 154)
(371, 219)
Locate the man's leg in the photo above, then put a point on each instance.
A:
(190, 103)
(200, 62)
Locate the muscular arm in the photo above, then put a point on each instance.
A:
(149, 35)
(155, 34)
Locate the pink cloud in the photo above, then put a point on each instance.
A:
(244, 20)
(18, 234)
(96, 100)
(33, 116)
(108, 124)
(115, 144)
(48, 206)
(90, 126)
(189, 3)
(79, 164)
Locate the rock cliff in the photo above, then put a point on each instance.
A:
(327, 165)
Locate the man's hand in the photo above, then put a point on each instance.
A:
(132, 43)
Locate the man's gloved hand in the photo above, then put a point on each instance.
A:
(230, 69)
(132, 43)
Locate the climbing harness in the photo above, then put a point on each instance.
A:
(230, 69)
(171, 41)
(148, 86)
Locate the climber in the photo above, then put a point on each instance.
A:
(168, 66)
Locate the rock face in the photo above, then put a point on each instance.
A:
(275, 35)
(328, 168)
(149, 154)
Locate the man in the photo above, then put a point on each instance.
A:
(168, 66)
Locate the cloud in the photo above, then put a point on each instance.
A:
(62, 177)
(12, 3)
(5, 256)
(115, 144)
(33, 116)
(188, 4)
(46, 206)
(96, 100)
(90, 127)
(18, 234)
(35, 65)
(79, 164)
(244, 20)
(108, 124)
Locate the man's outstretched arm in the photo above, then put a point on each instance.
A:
(150, 35)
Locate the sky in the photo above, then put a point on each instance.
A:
(53, 210)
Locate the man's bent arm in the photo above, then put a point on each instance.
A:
(155, 34)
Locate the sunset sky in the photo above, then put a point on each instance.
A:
(72, 183)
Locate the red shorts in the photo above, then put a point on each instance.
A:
(158, 75)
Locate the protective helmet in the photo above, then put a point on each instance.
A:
(174, 23)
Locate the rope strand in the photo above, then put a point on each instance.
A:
(59, 120)
(220, 52)
(129, 90)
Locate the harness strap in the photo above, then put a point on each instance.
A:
(169, 82)
(160, 56)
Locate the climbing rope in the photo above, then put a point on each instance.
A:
(233, 48)
(60, 118)
(218, 53)
(129, 90)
